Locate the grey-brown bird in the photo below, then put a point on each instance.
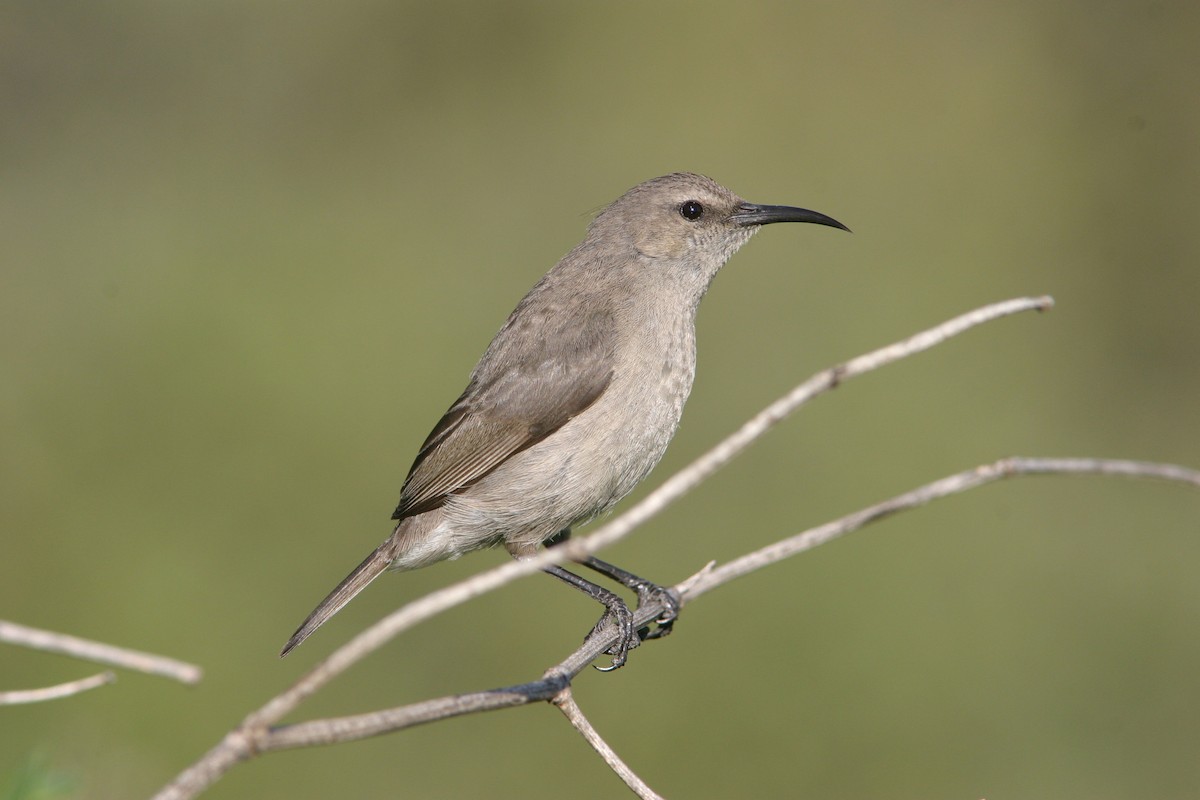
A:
(576, 398)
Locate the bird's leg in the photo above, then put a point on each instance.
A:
(616, 608)
(647, 591)
(627, 635)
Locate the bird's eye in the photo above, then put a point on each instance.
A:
(691, 210)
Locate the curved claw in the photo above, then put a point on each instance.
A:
(627, 635)
(650, 592)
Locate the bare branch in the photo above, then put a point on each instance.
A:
(359, 726)
(567, 705)
(55, 692)
(89, 650)
(246, 741)
(675, 487)
(253, 734)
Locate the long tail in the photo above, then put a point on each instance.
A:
(354, 583)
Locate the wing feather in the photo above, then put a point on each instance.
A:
(516, 398)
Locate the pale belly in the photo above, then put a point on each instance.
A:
(579, 471)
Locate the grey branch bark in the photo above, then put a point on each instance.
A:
(258, 732)
(565, 702)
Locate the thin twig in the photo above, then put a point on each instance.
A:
(362, 726)
(89, 650)
(703, 467)
(244, 743)
(252, 735)
(570, 709)
(710, 579)
(67, 689)
(675, 487)
(375, 723)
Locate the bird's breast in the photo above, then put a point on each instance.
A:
(635, 420)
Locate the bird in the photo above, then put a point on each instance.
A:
(576, 398)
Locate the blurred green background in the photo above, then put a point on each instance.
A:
(251, 252)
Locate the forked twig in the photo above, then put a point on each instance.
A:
(256, 733)
(675, 487)
(375, 723)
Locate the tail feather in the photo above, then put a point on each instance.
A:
(354, 583)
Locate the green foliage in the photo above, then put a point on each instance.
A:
(36, 779)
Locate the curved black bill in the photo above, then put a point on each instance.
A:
(753, 214)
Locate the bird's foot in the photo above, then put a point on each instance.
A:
(619, 616)
(649, 593)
